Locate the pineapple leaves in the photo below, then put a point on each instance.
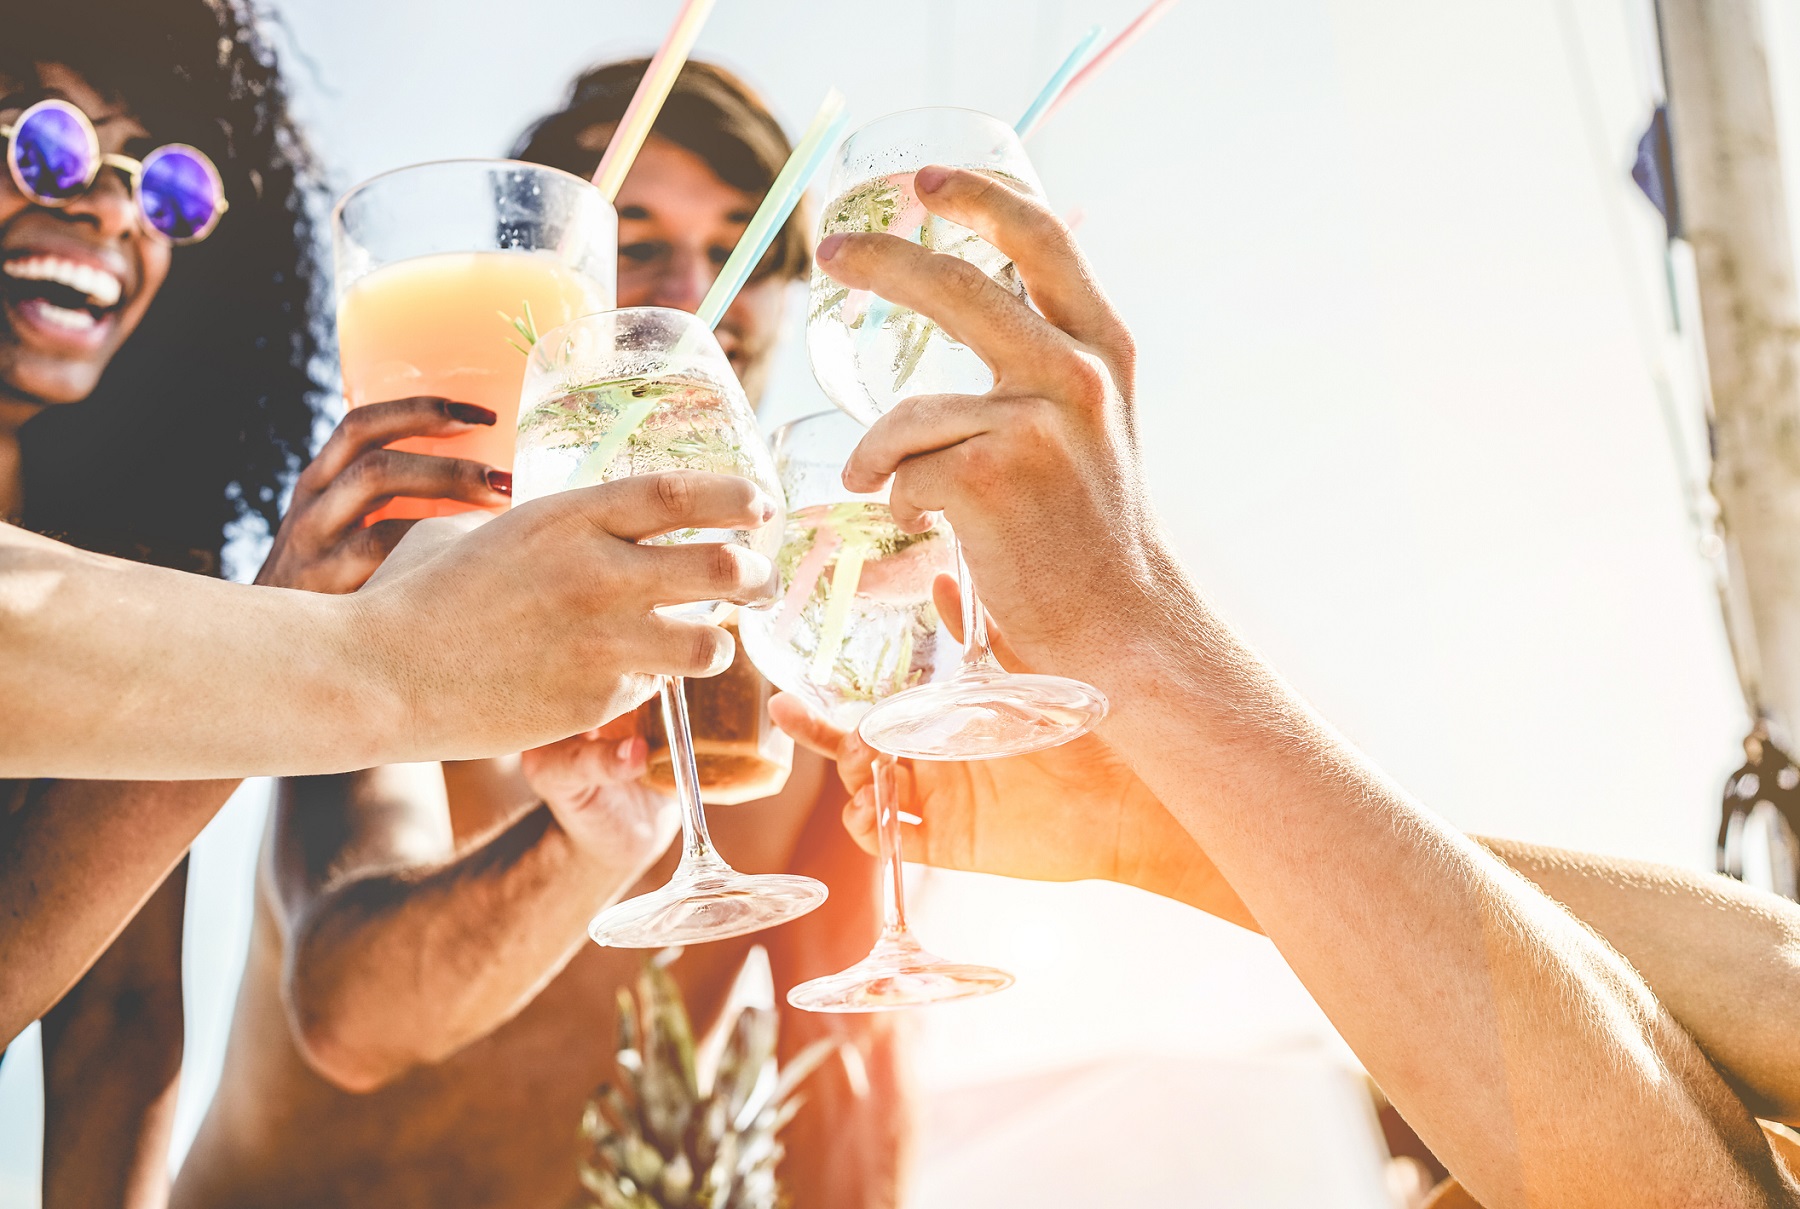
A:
(656, 1139)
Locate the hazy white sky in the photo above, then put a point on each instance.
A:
(1399, 310)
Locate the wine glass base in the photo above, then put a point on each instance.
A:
(712, 905)
(982, 715)
(895, 977)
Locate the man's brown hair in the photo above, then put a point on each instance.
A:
(709, 112)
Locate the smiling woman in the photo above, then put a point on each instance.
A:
(154, 394)
(156, 386)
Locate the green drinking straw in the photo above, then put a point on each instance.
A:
(777, 204)
(1041, 105)
(783, 196)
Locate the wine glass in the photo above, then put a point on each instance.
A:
(854, 623)
(638, 391)
(868, 354)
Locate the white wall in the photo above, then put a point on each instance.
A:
(1396, 397)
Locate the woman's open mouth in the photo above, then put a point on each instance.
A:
(63, 301)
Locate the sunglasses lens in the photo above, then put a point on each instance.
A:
(54, 156)
(180, 192)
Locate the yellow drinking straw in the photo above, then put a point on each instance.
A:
(648, 100)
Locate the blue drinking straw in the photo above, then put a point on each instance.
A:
(802, 165)
(1058, 82)
(779, 202)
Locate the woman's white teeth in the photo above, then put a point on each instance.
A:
(102, 288)
(66, 319)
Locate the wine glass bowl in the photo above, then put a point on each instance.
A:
(853, 620)
(639, 391)
(854, 623)
(868, 354)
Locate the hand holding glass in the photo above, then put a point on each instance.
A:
(639, 391)
(869, 354)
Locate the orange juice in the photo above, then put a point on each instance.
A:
(439, 325)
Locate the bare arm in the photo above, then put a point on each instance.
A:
(112, 1063)
(1529, 1055)
(402, 950)
(1722, 958)
(77, 860)
(535, 626)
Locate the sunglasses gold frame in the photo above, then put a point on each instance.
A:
(132, 168)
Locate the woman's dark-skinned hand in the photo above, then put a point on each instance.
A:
(324, 543)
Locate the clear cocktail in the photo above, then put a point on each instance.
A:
(631, 392)
(855, 625)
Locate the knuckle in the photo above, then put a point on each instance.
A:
(965, 281)
(375, 466)
(675, 493)
(473, 476)
(724, 567)
(710, 650)
(1088, 377)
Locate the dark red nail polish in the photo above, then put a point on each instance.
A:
(469, 413)
(501, 481)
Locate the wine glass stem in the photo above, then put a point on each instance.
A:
(893, 871)
(696, 846)
(977, 656)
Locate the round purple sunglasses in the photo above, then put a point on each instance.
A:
(54, 157)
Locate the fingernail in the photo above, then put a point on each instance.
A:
(930, 180)
(828, 247)
(768, 509)
(469, 413)
(500, 481)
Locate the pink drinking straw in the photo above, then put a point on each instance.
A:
(648, 100)
(1094, 66)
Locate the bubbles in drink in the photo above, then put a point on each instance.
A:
(869, 354)
(598, 432)
(854, 622)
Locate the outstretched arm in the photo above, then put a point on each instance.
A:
(1526, 1052)
(402, 950)
(486, 643)
(1722, 958)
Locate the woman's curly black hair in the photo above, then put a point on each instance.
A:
(207, 411)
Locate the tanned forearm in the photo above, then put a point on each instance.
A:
(112, 1065)
(269, 680)
(1724, 959)
(77, 861)
(1528, 1054)
(395, 970)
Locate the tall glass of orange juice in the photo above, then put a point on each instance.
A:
(443, 269)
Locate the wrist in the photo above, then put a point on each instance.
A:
(605, 865)
(372, 683)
